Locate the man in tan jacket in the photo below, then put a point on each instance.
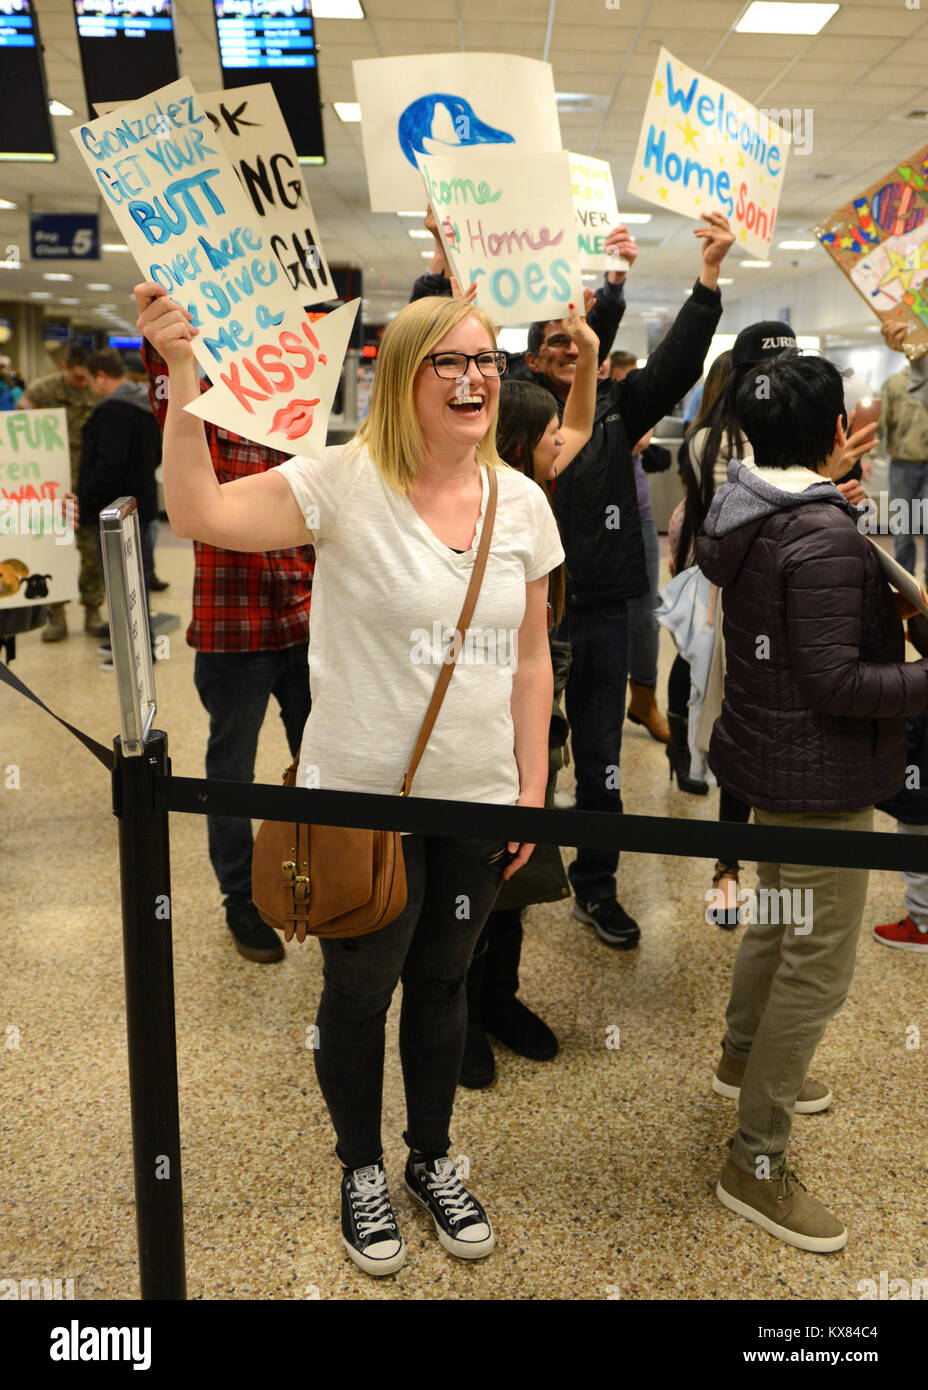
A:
(903, 432)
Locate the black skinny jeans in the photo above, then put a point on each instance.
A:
(451, 888)
(678, 694)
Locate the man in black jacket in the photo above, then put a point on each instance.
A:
(597, 509)
(120, 449)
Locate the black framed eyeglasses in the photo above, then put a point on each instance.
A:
(558, 340)
(451, 365)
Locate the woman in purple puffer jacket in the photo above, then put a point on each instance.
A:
(811, 734)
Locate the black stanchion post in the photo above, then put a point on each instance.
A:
(145, 877)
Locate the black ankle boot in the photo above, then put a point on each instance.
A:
(504, 1015)
(678, 754)
(478, 1067)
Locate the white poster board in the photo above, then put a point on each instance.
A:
(432, 103)
(250, 126)
(507, 223)
(176, 198)
(596, 211)
(38, 557)
(702, 148)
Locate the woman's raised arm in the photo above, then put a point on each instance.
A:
(253, 513)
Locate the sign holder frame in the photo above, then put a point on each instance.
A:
(121, 545)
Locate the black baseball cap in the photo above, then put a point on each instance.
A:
(761, 341)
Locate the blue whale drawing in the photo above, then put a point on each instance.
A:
(415, 126)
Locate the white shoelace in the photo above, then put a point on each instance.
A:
(446, 1185)
(372, 1209)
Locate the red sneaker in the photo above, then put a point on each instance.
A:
(904, 935)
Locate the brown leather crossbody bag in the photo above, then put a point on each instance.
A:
(328, 880)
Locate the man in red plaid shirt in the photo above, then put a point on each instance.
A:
(250, 629)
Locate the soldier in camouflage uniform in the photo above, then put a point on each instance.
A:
(70, 387)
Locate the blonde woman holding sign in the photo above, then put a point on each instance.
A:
(396, 518)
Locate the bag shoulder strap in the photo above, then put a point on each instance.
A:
(463, 623)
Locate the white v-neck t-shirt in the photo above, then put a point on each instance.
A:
(386, 594)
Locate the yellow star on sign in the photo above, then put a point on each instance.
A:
(740, 164)
(663, 194)
(658, 87)
(742, 235)
(689, 134)
(901, 270)
(721, 159)
(845, 243)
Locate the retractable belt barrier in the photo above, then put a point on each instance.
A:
(672, 835)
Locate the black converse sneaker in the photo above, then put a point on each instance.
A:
(461, 1224)
(369, 1230)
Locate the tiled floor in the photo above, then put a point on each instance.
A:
(598, 1168)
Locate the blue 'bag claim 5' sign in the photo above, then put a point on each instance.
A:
(64, 236)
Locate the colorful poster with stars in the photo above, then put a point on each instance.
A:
(880, 241)
(702, 147)
(508, 226)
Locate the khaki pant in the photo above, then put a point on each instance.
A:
(789, 981)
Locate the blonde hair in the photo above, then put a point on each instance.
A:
(391, 428)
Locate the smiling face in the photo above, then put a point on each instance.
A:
(455, 413)
(545, 452)
(556, 359)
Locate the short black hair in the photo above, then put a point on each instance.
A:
(107, 361)
(75, 355)
(620, 358)
(787, 407)
(536, 334)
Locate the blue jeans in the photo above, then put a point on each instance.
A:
(909, 482)
(643, 628)
(234, 688)
(595, 704)
(429, 947)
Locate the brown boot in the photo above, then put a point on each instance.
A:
(813, 1097)
(642, 709)
(56, 629)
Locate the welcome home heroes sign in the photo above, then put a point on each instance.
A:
(508, 225)
(175, 196)
(702, 147)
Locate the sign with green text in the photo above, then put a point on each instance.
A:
(38, 557)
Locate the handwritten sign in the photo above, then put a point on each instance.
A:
(880, 241)
(703, 147)
(38, 558)
(507, 223)
(175, 196)
(249, 125)
(281, 394)
(433, 103)
(596, 212)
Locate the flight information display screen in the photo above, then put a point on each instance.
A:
(274, 41)
(25, 124)
(127, 48)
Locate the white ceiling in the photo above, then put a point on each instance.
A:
(861, 77)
